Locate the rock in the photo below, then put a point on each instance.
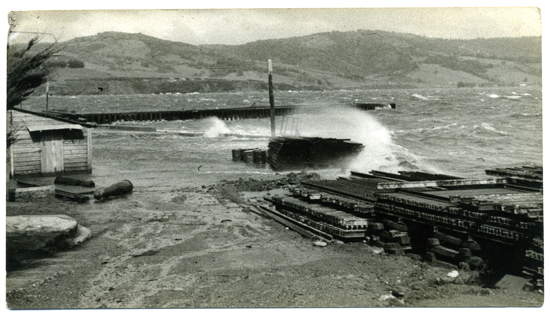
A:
(42, 233)
(398, 292)
(396, 302)
(320, 243)
(464, 266)
(377, 250)
(475, 263)
(511, 282)
(386, 297)
(452, 274)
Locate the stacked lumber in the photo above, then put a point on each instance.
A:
(291, 153)
(459, 249)
(391, 235)
(529, 176)
(454, 222)
(501, 212)
(343, 217)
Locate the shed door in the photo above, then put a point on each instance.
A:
(52, 153)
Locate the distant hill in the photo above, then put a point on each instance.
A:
(117, 62)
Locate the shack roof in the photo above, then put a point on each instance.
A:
(54, 127)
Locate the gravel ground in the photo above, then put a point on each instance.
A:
(188, 237)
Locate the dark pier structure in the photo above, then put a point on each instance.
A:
(493, 225)
(222, 113)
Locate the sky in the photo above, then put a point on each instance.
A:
(239, 23)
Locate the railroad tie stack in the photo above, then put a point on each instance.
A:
(532, 177)
(529, 176)
(345, 218)
(296, 153)
(391, 235)
(499, 213)
(492, 224)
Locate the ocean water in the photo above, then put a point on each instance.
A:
(452, 131)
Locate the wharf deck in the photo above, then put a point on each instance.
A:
(233, 113)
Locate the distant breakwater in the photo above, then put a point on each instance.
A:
(224, 114)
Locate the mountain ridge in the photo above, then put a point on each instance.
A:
(322, 61)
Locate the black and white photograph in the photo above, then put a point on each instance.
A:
(273, 155)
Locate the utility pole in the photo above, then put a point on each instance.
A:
(47, 92)
(271, 100)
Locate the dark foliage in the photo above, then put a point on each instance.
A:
(26, 70)
(75, 64)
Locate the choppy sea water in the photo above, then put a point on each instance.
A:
(458, 132)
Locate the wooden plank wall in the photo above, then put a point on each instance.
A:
(26, 153)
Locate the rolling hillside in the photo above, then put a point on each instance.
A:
(135, 63)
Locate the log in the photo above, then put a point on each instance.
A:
(448, 238)
(73, 181)
(444, 251)
(30, 193)
(120, 188)
(432, 242)
(400, 226)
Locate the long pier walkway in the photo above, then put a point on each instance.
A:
(222, 113)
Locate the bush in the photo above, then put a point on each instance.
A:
(75, 64)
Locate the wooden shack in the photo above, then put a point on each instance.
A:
(47, 145)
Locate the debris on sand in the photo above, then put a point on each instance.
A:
(120, 188)
(320, 243)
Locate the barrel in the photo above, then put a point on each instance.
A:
(237, 154)
(256, 156)
(122, 187)
(260, 156)
(248, 156)
(73, 181)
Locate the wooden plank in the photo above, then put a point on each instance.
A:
(52, 153)
(27, 157)
(444, 251)
(297, 226)
(477, 200)
(72, 161)
(448, 238)
(28, 164)
(33, 149)
(75, 144)
(23, 172)
(395, 225)
(76, 152)
(440, 183)
(27, 168)
(26, 153)
(75, 156)
(76, 168)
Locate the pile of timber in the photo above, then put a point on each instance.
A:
(338, 216)
(471, 224)
(296, 153)
(530, 176)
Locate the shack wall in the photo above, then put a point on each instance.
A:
(26, 154)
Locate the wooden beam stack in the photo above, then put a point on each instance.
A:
(454, 222)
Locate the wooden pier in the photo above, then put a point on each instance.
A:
(222, 113)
